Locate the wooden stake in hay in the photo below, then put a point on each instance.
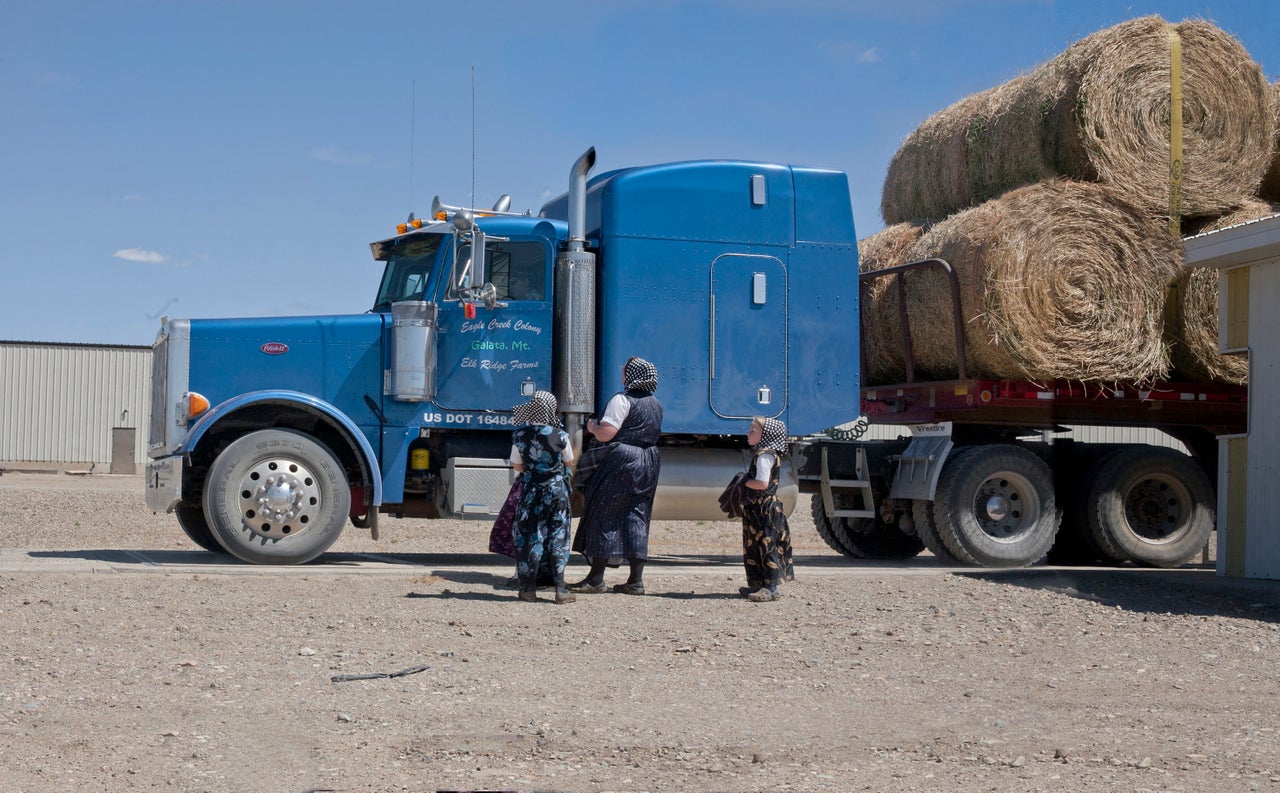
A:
(1270, 188)
(1058, 280)
(1193, 329)
(1099, 112)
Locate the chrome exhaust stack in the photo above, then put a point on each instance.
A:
(575, 312)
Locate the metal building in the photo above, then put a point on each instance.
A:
(1247, 257)
(74, 406)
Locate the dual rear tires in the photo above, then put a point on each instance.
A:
(1149, 505)
(997, 506)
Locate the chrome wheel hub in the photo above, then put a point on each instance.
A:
(279, 498)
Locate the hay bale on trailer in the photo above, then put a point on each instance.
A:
(1270, 188)
(1058, 280)
(881, 344)
(1100, 112)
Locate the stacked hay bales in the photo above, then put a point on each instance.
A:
(1193, 320)
(1058, 280)
(1270, 188)
(1051, 196)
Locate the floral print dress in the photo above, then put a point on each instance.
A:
(541, 530)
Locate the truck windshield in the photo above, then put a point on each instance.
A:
(408, 269)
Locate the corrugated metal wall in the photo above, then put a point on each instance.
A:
(59, 403)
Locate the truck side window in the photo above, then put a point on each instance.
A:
(517, 270)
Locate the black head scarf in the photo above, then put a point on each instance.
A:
(640, 375)
(541, 409)
(773, 436)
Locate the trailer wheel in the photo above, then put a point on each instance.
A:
(922, 515)
(995, 506)
(1152, 506)
(276, 497)
(191, 519)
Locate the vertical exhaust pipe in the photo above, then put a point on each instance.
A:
(575, 310)
(578, 198)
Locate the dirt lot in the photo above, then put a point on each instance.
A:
(864, 677)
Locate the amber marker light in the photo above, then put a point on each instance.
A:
(196, 404)
(402, 228)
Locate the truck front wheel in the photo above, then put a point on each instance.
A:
(1151, 505)
(276, 497)
(995, 506)
(191, 519)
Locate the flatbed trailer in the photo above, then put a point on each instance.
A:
(989, 474)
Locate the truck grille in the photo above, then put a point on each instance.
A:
(159, 387)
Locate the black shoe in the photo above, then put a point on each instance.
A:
(528, 595)
(630, 589)
(588, 588)
(747, 590)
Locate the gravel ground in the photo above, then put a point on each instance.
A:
(863, 677)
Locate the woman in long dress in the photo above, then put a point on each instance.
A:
(766, 535)
(620, 481)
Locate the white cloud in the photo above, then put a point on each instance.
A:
(140, 255)
(868, 56)
(336, 155)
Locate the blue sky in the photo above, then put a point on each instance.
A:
(231, 159)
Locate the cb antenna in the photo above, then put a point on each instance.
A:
(473, 134)
(413, 117)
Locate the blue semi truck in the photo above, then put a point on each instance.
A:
(738, 279)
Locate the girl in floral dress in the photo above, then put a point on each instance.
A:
(541, 454)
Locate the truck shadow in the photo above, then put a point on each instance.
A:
(1189, 592)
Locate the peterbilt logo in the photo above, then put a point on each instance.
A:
(274, 348)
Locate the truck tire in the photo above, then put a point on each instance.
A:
(995, 506)
(276, 497)
(828, 531)
(191, 519)
(1152, 506)
(864, 538)
(922, 515)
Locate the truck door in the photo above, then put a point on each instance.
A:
(748, 336)
(483, 360)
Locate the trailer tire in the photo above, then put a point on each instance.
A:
(191, 519)
(995, 506)
(1151, 505)
(296, 478)
(922, 515)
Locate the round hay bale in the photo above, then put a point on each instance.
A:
(1058, 280)
(1270, 188)
(1193, 329)
(881, 347)
(1100, 111)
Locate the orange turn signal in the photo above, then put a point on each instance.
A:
(402, 228)
(196, 404)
